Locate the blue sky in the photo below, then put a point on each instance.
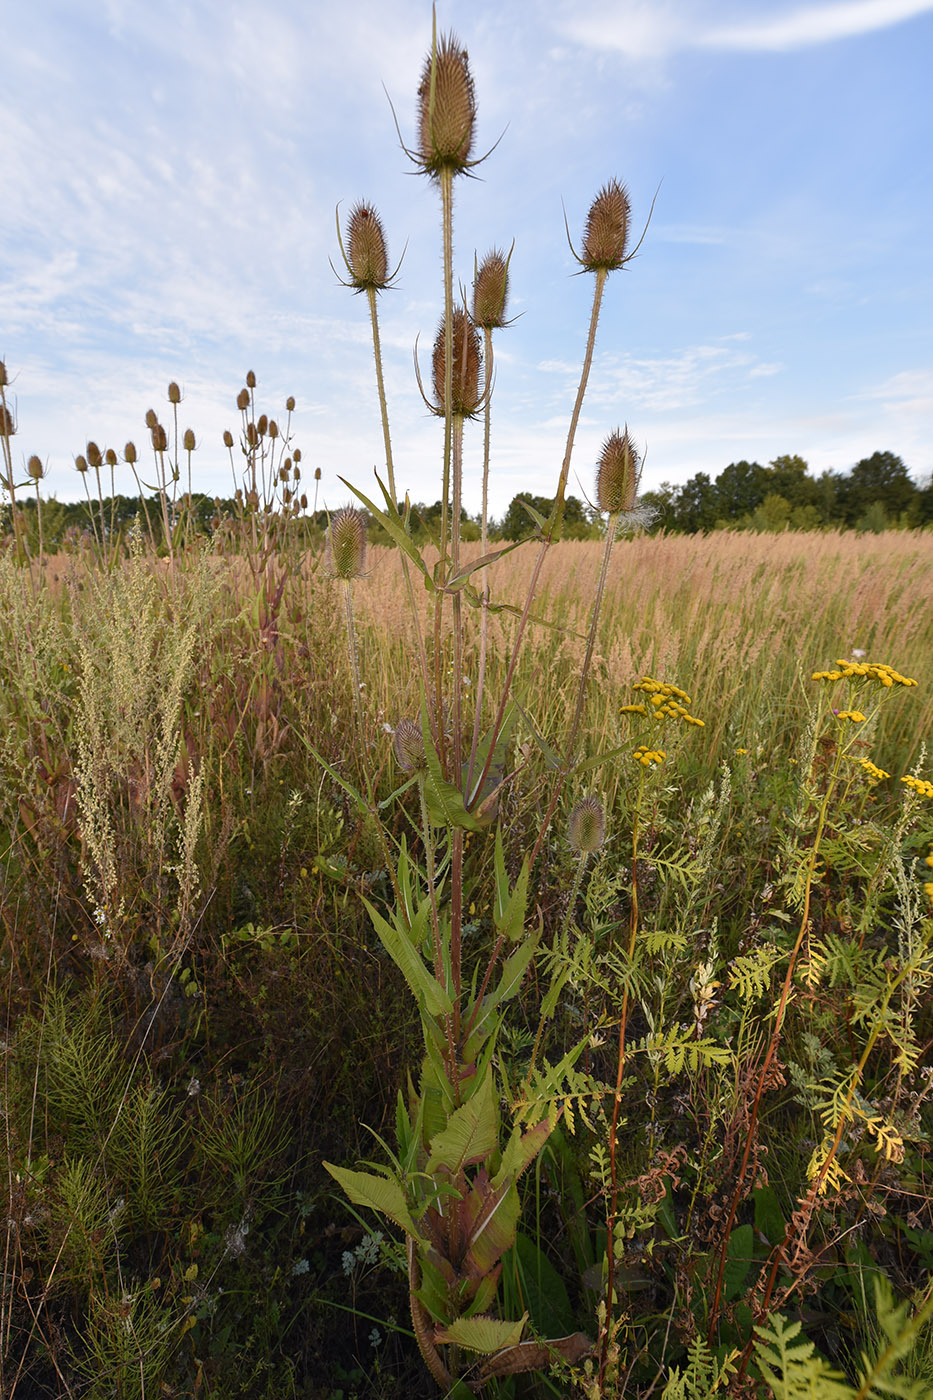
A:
(171, 171)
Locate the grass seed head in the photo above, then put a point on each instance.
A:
(346, 544)
(446, 109)
(587, 827)
(366, 253)
(605, 238)
(491, 291)
(467, 361)
(618, 473)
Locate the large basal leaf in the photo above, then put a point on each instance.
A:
(490, 1219)
(378, 1192)
(471, 1133)
(482, 1334)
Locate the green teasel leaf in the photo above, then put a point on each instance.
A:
(509, 911)
(402, 947)
(551, 757)
(457, 580)
(482, 1334)
(489, 1219)
(443, 801)
(486, 1289)
(471, 1133)
(535, 515)
(520, 1151)
(379, 1193)
(359, 801)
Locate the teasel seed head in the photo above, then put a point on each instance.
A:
(304, 501)
(81, 463)
(290, 404)
(129, 453)
(250, 379)
(346, 544)
(7, 426)
(317, 470)
(467, 361)
(587, 828)
(189, 441)
(228, 438)
(284, 474)
(151, 418)
(446, 109)
(605, 237)
(365, 251)
(242, 400)
(617, 474)
(491, 291)
(174, 393)
(35, 468)
(263, 425)
(159, 438)
(4, 381)
(273, 428)
(110, 457)
(296, 474)
(409, 747)
(94, 454)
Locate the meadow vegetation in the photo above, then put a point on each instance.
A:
(457, 967)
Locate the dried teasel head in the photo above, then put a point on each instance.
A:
(4, 380)
(617, 474)
(228, 438)
(345, 556)
(35, 469)
(491, 290)
(7, 425)
(605, 237)
(110, 457)
(129, 453)
(365, 251)
(152, 418)
(446, 109)
(587, 827)
(466, 394)
(81, 463)
(94, 455)
(408, 744)
(242, 400)
(174, 393)
(290, 404)
(250, 379)
(159, 438)
(189, 441)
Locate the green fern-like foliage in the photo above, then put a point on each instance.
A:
(795, 1370)
(703, 1377)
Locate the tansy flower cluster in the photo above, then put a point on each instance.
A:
(928, 887)
(646, 756)
(664, 699)
(868, 670)
(875, 774)
(919, 785)
(855, 716)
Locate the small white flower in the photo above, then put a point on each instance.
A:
(300, 1266)
(375, 1338)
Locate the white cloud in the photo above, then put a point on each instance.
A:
(816, 24)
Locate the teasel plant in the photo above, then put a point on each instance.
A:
(452, 1185)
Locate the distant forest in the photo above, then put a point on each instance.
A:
(877, 494)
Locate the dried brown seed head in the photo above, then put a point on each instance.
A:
(7, 426)
(110, 457)
(587, 827)
(273, 428)
(129, 453)
(408, 744)
(317, 473)
(346, 544)
(605, 238)
(297, 473)
(491, 291)
(617, 474)
(467, 364)
(189, 441)
(365, 250)
(262, 425)
(35, 468)
(94, 454)
(304, 501)
(290, 404)
(242, 400)
(174, 393)
(159, 438)
(4, 381)
(81, 463)
(250, 379)
(228, 438)
(297, 454)
(151, 418)
(446, 109)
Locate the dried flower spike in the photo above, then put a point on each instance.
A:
(365, 251)
(491, 291)
(587, 826)
(446, 109)
(467, 360)
(618, 472)
(409, 746)
(605, 238)
(346, 544)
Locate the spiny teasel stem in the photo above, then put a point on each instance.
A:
(390, 468)
(484, 547)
